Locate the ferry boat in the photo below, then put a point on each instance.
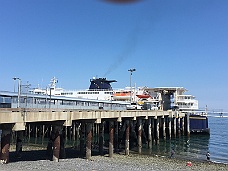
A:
(99, 89)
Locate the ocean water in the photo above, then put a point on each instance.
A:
(197, 146)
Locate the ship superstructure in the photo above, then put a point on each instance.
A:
(99, 89)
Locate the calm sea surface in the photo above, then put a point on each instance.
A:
(196, 147)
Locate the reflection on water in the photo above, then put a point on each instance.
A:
(194, 148)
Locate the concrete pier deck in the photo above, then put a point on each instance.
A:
(157, 122)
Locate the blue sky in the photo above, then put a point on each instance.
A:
(169, 43)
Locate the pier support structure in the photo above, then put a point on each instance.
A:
(111, 138)
(101, 138)
(19, 140)
(116, 137)
(157, 120)
(163, 127)
(183, 129)
(88, 140)
(5, 145)
(149, 134)
(188, 125)
(140, 136)
(56, 143)
(175, 126)
(170, 126)
(82, 138)
(127, 144)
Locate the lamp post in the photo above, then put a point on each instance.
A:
(131, 70)
(19, 90)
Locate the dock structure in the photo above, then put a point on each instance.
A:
(88, 128)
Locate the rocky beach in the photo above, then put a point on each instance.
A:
(34, 158)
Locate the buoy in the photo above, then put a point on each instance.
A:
(189, 163)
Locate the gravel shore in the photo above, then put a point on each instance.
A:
(35, 159)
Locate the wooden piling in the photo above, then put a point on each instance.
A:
(88, 140)
(153, 129)
(19, 140)
(5, 145)
(43, 134)
(183, 130)
(111, 132)
(140, 136)
(163, 128)
(101, 138)
(178, 123)
(188, 125)
(149, 134)
(170, 127)
(74, 133)
(62, 146)
(116, 137)
(82, 138)
(157, 129)
(127, 145)
(175, 127)
(56, 143)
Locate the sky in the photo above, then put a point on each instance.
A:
(170, 43)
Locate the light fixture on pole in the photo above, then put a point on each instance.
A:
(19, 90)
(131, 70)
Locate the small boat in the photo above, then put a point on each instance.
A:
(122, 95)
(143, 96)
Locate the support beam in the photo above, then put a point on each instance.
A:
(77, 135)
(101, 138)
(111, 132)
(170, 127)
(82, 138)
(88, 140)
(29, 132)
(157, 129)
(183, 130)
(163, 128)
(5, 145)
(127, 144)
(116, 137)
(74, 133)
(140, 136)
(153, 129)
(188, 125)
(175, 127)
(178, 124)
(56, 143)
(19, 140)
(62, 146)
(43, 134)
(149, 134)
(66, 134)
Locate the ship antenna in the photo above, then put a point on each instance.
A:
(206, 110)
(53, 82)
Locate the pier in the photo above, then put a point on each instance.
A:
(88, 128)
